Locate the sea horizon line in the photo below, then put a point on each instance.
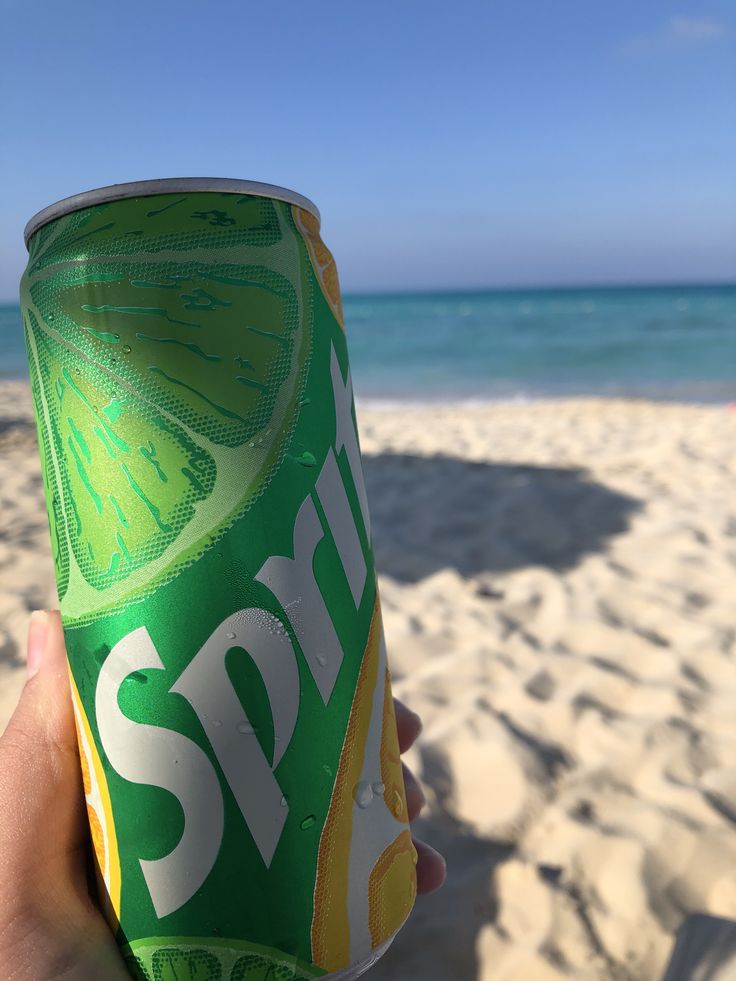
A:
(532, 288)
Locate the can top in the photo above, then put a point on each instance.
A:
(166, 185)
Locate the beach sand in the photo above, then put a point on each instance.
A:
(558, 583)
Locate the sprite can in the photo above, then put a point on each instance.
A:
(211, 541)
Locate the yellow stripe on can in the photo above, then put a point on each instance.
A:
(99, 813)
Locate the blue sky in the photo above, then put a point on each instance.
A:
(447, 145)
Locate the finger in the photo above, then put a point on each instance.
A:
(408, 724)
(415, 799)
(431, 868)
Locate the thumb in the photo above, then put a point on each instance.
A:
(42, 828)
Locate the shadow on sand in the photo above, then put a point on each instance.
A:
(17, 431)
(428, 947)
(705, 950)
(433, 513)
(24, 423)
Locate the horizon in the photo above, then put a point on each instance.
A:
(663, 341)
(547, 288)
(532, 288)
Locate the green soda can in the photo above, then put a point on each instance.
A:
(211, 541)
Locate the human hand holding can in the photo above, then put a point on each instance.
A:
(212, 547)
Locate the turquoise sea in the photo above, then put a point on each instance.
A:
(674, 342)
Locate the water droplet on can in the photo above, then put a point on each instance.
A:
(216, 723)
(308, 822)
(378, 788)
(126, 349)
(230, 636)
(246, 728)
(321, 659)
(363, 794)
(398, 807)
(284, 801)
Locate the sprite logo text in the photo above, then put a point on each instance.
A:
(160, 757)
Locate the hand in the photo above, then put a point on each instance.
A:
(50, 927)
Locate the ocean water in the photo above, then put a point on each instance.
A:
(675, 342)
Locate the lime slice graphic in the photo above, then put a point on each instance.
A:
(187, 959)
(167, 374)
(195, 965)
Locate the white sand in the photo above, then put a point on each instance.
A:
(26, 571)
(558, 582)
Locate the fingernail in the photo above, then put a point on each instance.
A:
(38, 629)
